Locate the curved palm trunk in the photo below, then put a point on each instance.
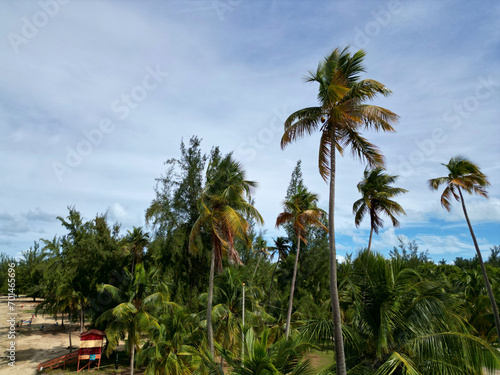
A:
(292, 288)
(370, 240)
(255, 271)
(210, 330)
(483, 269)
(334, 293)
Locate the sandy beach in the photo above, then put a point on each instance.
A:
(32, 344)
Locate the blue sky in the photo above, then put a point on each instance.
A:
(96, 95)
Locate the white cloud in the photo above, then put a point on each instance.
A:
(445, 245)
(120, 214)
(387, 239)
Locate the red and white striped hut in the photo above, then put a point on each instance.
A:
(90, 347)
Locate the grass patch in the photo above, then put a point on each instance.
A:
(321, 358)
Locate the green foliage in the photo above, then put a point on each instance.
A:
(262, 356)
(171, 216)
(494, 258)
(398, 319)
(222, 208)
(169, 347)
(138, 302)
(5, 262)
(77, 262)
(296, 183)
(29, 272)
(135, 242)
(408, 254)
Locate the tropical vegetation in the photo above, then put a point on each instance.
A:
(202, 288)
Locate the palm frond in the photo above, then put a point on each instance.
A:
(361, 148)
(300, 123)
(395, 361)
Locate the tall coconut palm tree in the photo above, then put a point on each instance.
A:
(340, 118)
(465, 175)
(300, 211)
(223, 207)
(376, 199)
(138, 300)
(282, 247)
(135, 242)
(261, 252)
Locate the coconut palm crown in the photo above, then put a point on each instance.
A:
(223, 207)
(376, 199)
(342, 114)
(463, 175)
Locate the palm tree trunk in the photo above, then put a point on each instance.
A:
(82, 323)
(370, 240)
(292, 288)
(483, 269)
(132, 355)
(62, 319)
(334, 293)
(70, 345)
(210, 329)
(271, 286)
(251, 282)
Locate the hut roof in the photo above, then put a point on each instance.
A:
(94, 332)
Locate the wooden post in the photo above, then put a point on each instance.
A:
(243, 328)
